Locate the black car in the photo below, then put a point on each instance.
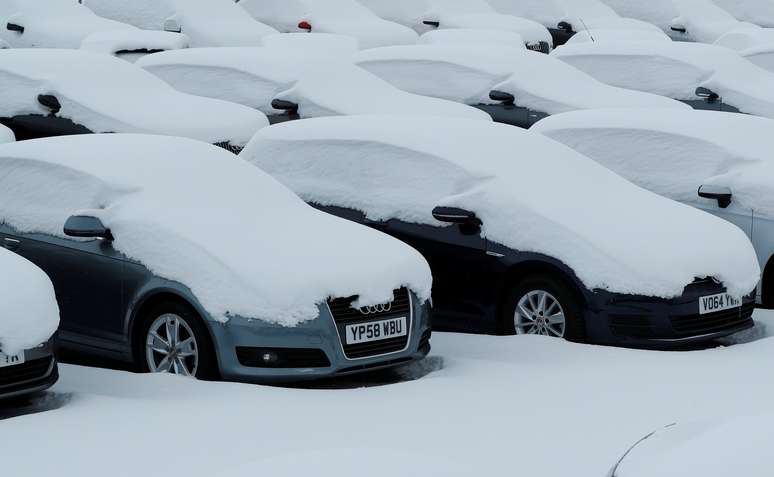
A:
(501, 262)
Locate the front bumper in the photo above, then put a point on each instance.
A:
(625, 320)
(315, 340)
(38, 373)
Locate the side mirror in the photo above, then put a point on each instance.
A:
(564, 26)
(305, 26)
(49, 101)
(171, 25)
(432, 23)
(453, 215)
(707, 93)
(14, 27)
(722, 194)
(502, 96)
(678, 28)
(284, 105)
(84, 226)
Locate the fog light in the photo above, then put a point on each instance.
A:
(269, 357)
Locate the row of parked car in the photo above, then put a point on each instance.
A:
(371, 190)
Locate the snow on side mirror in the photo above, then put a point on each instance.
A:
(565, 26)
(14, 27)
(707, 93)
(432, 23)
(285, 105)
(502, 96)
(85, 226)
(171, 25)
(722, 194)
(50, 102)
(454, 215)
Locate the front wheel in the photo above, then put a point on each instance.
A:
(543, 305)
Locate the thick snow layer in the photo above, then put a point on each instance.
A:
(501, 173)
(760, 12)
(105, 94)
(6, 135)
(29, 314)
(468, 74)
(607, 35)
(346, 17)
(341, 46)
(205, 22)
(673, 153)
(245, 245)
(321, 86)
(675, 70)
(475, 415)
(67, 24)
(476, 14)
(707, 448)
(469, 36)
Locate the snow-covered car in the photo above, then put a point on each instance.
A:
(709, 448)
(204, 22)
(6, 135)
(565, 18)
(759, 12)
(292, 85)
(546, 237)
(610, 35)
(718, 162)
(347, 17)
(328, 44)
(57, 92)
(703, 76)
(29, 316)
(68, 24)
(515, 87)
(471, 36)
(426, 15)
(171, 254)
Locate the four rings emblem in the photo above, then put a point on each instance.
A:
(373, 309)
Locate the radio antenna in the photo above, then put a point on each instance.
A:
(587, 29)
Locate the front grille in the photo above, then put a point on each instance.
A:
(634, 326)
(343, 315)
(27, 372)
(540, 47)
(285, 357)
(695, 324)
(229, 147)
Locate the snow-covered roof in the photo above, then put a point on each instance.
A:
(403, 167)
(476, 14)
(29, 313)
(468, 74)
(607, 35)
(760, 12)
(68, 24)
(331, 16)
(470, 36)
(205, 22)
(192, 213)
(675, 70)
(341, 46)
(657, 12)
(321, 86)
(105, 94)
(6, 135)
(673, 153)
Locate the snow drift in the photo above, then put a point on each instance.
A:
(6, 135)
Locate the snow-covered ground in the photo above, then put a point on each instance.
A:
(490, 406)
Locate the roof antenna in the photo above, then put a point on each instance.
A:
(587, 29)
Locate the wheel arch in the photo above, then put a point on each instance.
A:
(534, 266)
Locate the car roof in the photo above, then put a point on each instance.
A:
(106, 94)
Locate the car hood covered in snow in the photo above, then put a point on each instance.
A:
(191, 212)
(673, 153)
(205, 22)
(532, 194)
(320, 85)
(468, 74)
(29, 314)
(675, 70)
(331, 16)
(105, 94)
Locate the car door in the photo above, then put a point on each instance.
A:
(87, 278)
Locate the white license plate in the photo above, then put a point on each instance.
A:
(11, 359)
(719, 302)
(376, 330)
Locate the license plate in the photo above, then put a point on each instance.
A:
(719, 302)
(376, 330)
(11, 359)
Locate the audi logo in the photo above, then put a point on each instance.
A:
(373, 309)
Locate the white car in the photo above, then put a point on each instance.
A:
(289, 85)
(67, 24)
(59, 92)
(545, 236)
(204, 22)
(718, 162)
(704, 76)
(6, 135)
(565, 18)
(516, 87)
(426, 15)
(346, 17)
(29, 316)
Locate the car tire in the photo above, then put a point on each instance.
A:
(192, 352)
(559, 297)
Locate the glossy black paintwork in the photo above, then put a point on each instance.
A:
(706, 105)
(35, 126)
(512, 114)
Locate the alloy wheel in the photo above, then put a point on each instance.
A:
(539, 313)
(171, 347)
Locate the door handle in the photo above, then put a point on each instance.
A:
(10, 244)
